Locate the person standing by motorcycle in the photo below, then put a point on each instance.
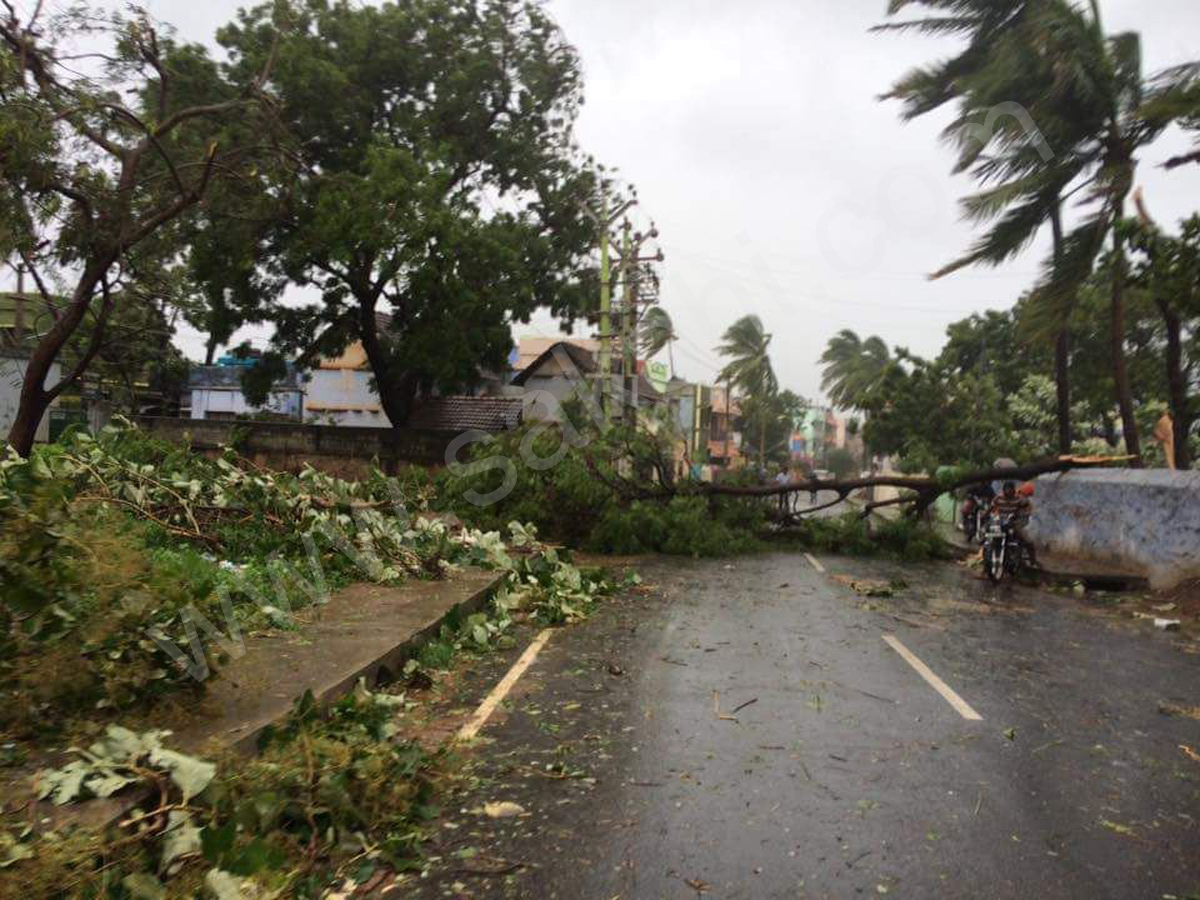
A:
(1016, 507)
(979, 497)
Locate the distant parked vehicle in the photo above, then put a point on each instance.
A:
(975, 511)
(974, 520)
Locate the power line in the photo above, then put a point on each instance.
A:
(777, 286)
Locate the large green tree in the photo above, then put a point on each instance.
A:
(437, 193)
(991, 343)
(971, 424)
(774, 417)
(99, 168)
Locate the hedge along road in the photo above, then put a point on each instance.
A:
(744, 730)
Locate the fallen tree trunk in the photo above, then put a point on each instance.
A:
(924, 490)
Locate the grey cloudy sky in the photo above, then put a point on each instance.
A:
(780, 184)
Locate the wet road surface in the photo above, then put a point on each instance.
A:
(743, 730)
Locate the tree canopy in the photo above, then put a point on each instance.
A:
(436, 192)
(102, 166)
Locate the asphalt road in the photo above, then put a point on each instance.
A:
(743, 730)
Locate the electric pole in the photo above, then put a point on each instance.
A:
(634, 268)
(628, 330)
(605, 219)
(19, 304)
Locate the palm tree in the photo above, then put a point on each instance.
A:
(1086, 90)
(657, 332)
(852, 367)
(749, 369)
(1023, 185)
(1103, 75)
(1176, 98)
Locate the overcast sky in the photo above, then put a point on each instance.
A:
(780, 184)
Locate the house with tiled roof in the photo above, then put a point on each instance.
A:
(456, 415)
(565, 368)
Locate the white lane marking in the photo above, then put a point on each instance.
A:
(816, 563)
(960, 705)
(501, 690)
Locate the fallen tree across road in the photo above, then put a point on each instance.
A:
(923, 490)
(617, 491)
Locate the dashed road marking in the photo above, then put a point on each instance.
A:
(816, 563)
(501, 690)
(960, 705)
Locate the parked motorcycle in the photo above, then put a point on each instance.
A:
(1003, 553)
(974, 517)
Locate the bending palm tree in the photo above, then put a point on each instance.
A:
(852, 367)
(1086, 90)
(1104, 74)
(1176, 98)
(749, 369)
(658, 331)
(1001, 63)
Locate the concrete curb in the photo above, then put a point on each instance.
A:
(382, 669)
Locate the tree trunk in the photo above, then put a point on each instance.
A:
(762, 443)
(35, 399)
(1062, 378)
(210, 352)
(1133, 444)
(397, 392)
(1177, 385)
(23, 432)
(1062, 350)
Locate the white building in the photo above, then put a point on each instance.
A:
(13, 362)
(340, 392)
(217, 394)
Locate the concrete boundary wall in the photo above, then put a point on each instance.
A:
(345, 452)
(1145, 520)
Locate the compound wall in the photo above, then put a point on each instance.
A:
(1145, 520)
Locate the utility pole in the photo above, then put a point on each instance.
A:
(605, 219)
(728, 421)
(632, 274)
(19, 304)
(629, 329)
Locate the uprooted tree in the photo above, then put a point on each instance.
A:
(93, 187)
(619, 489)
(917, 493)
